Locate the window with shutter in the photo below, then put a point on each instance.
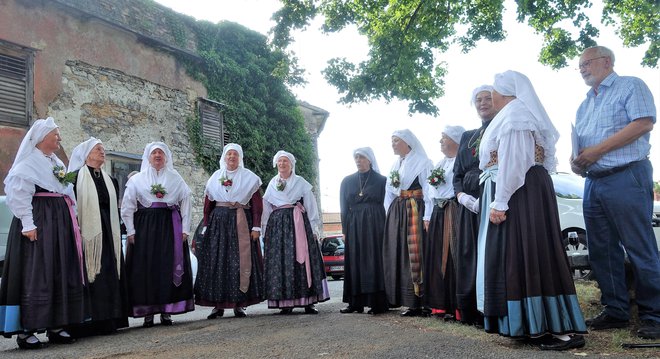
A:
(212, 120)
(16, 86)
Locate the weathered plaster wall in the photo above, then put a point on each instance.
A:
(126, 113)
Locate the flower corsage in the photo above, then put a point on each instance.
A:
(62, 176)
(394, 179)
(281, 184)
(226, 182)
(437, 177)
(158, 190)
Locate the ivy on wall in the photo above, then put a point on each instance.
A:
(244, 73)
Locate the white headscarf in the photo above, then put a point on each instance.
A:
(512, 83)
(295, 187)
(80, 153)
(369, 154)
(454, 132)
(415, 165)
(244, 181)
(168, 177)
(34, 166)
(478, 90)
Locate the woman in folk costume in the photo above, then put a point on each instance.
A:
(98, 215)
(441, 239)
(524, 285)
(43, 278)
(230, 273)
(408, 213)
(294, 272)
(156, 212)
(466, 187)
(361, 197)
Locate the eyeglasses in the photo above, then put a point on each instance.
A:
(588, 62)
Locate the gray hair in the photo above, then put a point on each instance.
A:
(603, 51)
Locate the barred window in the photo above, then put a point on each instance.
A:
(213, 125)
(16, 84)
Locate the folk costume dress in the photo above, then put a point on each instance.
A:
(43, 280)
(439, 252)
(158, 262)
(363, 222)
(230, 264)
(98, 215)
(466, 180)
(408, 205)
(524, 285)
(294, 272)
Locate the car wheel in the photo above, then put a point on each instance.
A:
(336, 277)
(579, 252)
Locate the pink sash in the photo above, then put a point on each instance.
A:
(302, 251)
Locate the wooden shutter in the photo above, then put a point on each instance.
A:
(212, 120)
(15, 87)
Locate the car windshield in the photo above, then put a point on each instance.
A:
(568, 186)
(331, 244)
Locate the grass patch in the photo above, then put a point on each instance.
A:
(601, 343)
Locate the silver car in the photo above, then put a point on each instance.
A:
(569, 189)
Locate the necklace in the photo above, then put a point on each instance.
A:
(97, 173)
(363, 185)
(474, 141)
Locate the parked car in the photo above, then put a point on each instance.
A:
(332, 248)
(570, 189)
(5, 221)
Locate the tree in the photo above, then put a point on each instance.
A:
(405, 37)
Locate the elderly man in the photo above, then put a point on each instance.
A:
(466, 187)
(612, 127)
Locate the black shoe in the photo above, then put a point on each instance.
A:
(286, 311)
(58, 338)
(311, 310)
(376, 311)
(24, 344)
(351, 309)
(649, 329)
(166, 321)
(576, 341)
(239, 312)
(148, 322)
(411, 312)
(216, 313)
(605, 321)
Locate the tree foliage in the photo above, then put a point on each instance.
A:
(406, 36)
(241, 71)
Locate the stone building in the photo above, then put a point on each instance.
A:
(110, 69)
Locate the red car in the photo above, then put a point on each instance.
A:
(332, 248)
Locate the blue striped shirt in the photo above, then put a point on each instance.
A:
(620, 100)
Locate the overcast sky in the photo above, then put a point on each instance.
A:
(350, 127)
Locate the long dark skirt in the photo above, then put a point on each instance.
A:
(218, 273)
(465, 252)
(529, 290)
(108, 292)
(42, 286)
(149, 264)
(396, 260)
(285, 278)
(364, 283)
(439, 272)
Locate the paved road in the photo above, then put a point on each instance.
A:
(265, 334)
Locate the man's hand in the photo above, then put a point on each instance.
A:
(587, 157)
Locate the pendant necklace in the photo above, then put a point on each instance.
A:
(363, 185)
(97, 173)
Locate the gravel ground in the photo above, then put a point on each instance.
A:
(265, 334)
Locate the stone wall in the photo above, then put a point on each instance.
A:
(126, 113)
